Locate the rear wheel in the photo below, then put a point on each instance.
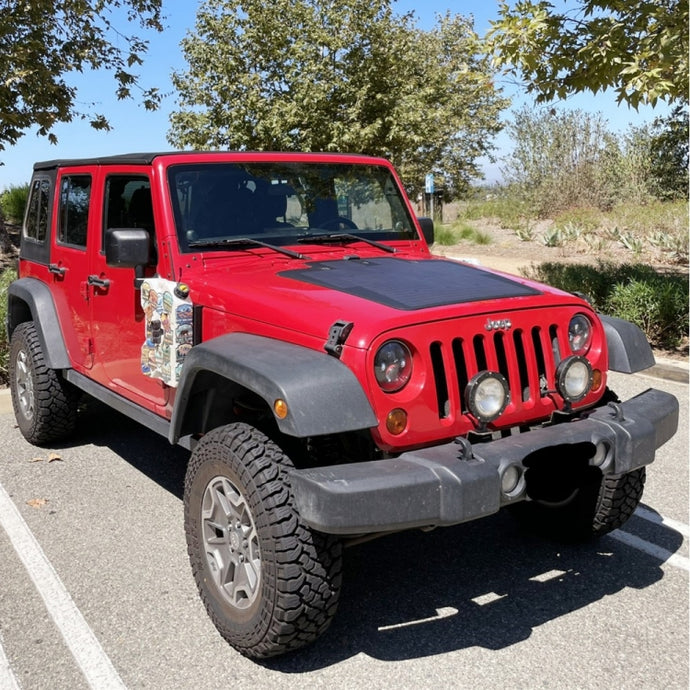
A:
(268, 582)
(593, 506)
(45, 405)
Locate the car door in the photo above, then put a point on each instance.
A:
(69, 264)
(118, 326)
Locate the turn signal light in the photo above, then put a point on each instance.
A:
(597, 379)
(396, 421)
(280, 408)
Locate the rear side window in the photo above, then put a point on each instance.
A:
(75, 194)
(128, 202)
(37, 216)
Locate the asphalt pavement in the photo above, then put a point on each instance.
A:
(97, 591)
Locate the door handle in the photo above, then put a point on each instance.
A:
(102, 283)
(57, 270)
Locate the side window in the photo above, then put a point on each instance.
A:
(37, 219)
(75, 194)
(128, 202)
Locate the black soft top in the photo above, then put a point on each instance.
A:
(136, 158)
(121, 159)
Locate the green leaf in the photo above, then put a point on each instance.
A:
(558, 55)
(347, 75)
(43, 41)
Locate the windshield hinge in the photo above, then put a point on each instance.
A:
(337, 335)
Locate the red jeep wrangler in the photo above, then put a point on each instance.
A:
(281, 316)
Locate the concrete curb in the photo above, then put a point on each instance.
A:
(669, 370)
(5, 401)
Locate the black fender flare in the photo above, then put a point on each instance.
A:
(29, 299)
(629, 350)
(323, 395)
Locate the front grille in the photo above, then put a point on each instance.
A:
(526, 357)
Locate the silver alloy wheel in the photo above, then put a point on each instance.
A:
(24, 384)
(231, 542)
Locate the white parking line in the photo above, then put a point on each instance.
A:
(650, 515)
(652, 549)
(85, 647)
(649, 547)
(8, 681)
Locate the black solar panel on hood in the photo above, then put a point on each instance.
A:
(409, 285)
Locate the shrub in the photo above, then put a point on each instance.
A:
(480, 237)
(505, 205)
(657, 303)
(563, 159)
(450, 235)
(553, 237)
(444, 235)
(13, 202)
(586, 217)
(658, 306)
(6, 277)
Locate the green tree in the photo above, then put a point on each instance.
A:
(338, 75)
(636, 164)
(637, 47)
(44, 40)
(656, 158)
(563, 160)
(669, 149)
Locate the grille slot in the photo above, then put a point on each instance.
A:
(555, 347)
(539, 357)
(523, 372)
(442, 397)
(460, 371)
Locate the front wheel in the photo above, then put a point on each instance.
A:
(595, 506)
(269, 584)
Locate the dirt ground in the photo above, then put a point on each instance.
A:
(507, 252)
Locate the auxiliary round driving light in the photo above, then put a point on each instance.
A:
(487, 395)
(574, 378)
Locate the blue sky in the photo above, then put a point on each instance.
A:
(135, 129)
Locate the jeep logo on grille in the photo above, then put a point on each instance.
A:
(498, 325)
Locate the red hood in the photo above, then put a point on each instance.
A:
(376, 294)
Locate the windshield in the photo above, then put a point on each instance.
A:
(284, 203)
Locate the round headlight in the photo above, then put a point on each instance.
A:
(574, 378)
(579, 334)
(487, 395)
(393, 366)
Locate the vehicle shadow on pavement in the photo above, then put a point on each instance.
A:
(142, 448)
(411, 595)
(483, 584)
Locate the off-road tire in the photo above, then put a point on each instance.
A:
(285, 582)
(45, 405)
(599, 506)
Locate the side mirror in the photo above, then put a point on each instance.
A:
(127, 247)
(427, 226)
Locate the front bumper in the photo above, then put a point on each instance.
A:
(458, 482)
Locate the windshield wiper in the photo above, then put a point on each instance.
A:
(345, 237)
(244, 241)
